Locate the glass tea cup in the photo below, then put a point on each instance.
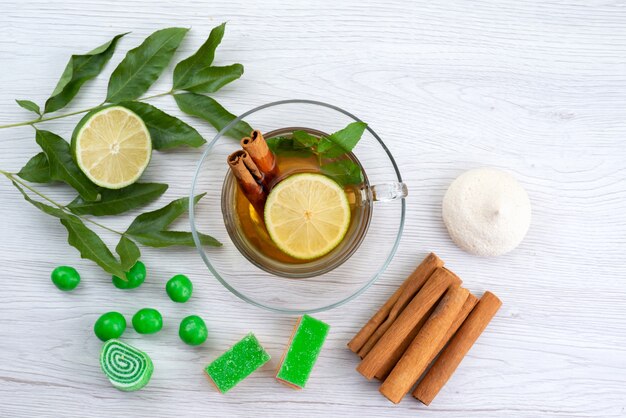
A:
(323, 283)
(248, 233)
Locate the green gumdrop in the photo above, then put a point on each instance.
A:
(193, 330)
(65, 278)
(147, 321)
(134, 277)
(110, 325)
(179, 288)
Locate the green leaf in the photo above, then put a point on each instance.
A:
(78, 70)
(141, 66)
(203, 58)
(287, 147)
(36, 170)
(28, 105)
(206, 108)
(160, 219)
(305, 139)
(129, 253)
(348, 137)
(150, 228)
(90, 246)
(159, 239)
(114, 202)
(278, 144)
(211, 79)
(328, 149)
(87, 242)
(63, 167)
(342, 141)
(50, 210)
(166, 131)
(344, 172)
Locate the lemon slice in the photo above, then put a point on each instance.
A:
(307, 215)
(112, 146)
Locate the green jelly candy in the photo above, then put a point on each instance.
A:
(65, 278)
(147, 321)
(237, 363)
(110, 325)
(134, 277)
(179, 288)
(126, 367)
(193, 330)
(302, 352)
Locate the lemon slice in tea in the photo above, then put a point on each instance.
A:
(307, 215)
(112, 146)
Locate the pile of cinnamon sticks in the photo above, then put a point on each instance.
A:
(429, 321)
(255, 169)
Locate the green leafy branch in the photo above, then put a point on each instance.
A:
(193, 78)
(149, 228)
(140, 68)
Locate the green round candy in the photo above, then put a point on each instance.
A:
(193, 330)
(65, 278)
(110, 325)
(179, 288)
(147, 321)
(134, 277)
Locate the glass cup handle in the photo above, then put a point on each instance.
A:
(386, 192)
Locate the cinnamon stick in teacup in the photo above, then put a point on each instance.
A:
(247, 173)
(256, 146)
(378, 324)
(251, 166)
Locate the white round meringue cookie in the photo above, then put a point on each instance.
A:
(487, 212)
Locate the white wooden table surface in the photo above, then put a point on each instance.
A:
(536, 88)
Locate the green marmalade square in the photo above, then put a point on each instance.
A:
(237, 363)
(301, 355)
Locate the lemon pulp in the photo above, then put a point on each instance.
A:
(307, 215)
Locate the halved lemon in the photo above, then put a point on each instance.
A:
(307, 215)
(112, 146)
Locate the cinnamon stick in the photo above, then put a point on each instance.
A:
(391, 361)
(428, 295)
(388, 366)
(378, 324)
(245, 179)
(262, 156)
(251, 166)
(453, 354)
(469, 304)
(416, 358)
(467, 307)
(406, 292)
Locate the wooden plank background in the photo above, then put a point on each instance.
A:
(537, 88)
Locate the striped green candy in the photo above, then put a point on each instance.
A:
(301, 354)
(126, 367)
